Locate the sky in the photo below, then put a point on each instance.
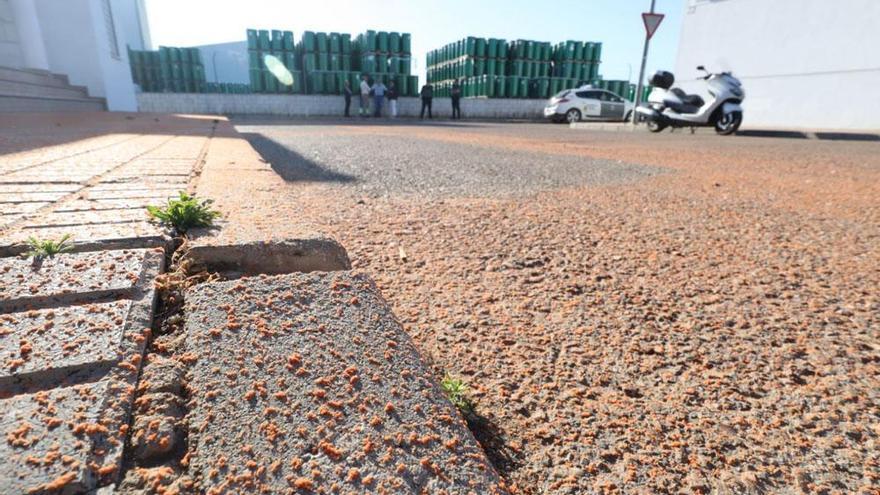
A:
(616, 23)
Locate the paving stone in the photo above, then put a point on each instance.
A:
(22, 188)
(20, 208)
(31, 197)
(94, 217)
(59, 339)
(72, 277)
(181, 147)
(102, 204)
(47, 447)
(8, 219)
(128, 235)
(133, 187)
(18, 161)
(10, 180)
(307, 382)
(86, 166)
(157, 194)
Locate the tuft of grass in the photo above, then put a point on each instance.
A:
(48, 248)
(185, 212)
(457, 392)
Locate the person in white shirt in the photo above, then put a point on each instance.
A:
(364, 111)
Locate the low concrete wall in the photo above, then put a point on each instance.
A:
(308, 105)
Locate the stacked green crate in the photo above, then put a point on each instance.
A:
(631, 93)
(170, 69)
(327, 61)
(386, 56)
(271, 56)
(575, 63)
(492, 68)
(474, 62)
(528, 65)
(618, 87)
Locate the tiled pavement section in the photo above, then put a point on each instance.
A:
(97, 178)
(73, 327)
(72, 334)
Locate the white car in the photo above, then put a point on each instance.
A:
(587, 103)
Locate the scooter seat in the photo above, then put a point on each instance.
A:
(691, 100)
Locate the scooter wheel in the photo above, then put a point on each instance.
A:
(655, 126)
(728, 123)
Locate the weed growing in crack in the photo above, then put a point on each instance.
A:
(47, 248)
(457, 392)
(185, 212)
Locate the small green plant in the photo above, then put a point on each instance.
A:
(457, 392)
(48, 248)
(185, 212)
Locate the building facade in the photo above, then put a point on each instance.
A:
(85, 40)
(803, 63)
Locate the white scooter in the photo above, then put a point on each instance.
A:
(668, 106)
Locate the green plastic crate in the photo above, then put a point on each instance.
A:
(264, 43)
(308, 42)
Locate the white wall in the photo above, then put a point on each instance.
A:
(803, 63)
(320, 105)
(78, 45)
(230, 60)
(10, 49)
(133, 28)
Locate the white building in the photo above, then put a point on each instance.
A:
(803, 63)
(226, 62)
(44, 41)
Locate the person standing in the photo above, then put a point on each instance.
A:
(378, 97)
(456, 99)
(365, 97)
(346, 92)
(392, 99)
(427, 94)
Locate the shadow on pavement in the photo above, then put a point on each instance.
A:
(848, 136)
(292, 166)
(825, 136)
(773, 134)
(491, 438)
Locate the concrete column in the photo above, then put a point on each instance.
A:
(29, 34)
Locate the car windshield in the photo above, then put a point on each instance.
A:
(562, 94)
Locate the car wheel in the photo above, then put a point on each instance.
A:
(628, 116)
(573, 115)
(728, 123)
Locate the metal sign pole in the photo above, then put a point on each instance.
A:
(638, 96)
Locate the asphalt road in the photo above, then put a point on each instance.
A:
(634, 313)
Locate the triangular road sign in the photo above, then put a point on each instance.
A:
(652, 21)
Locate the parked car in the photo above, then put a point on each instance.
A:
(587, 103)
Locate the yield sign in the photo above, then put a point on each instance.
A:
(652, 21)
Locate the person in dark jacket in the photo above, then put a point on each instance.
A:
(346, 91)
(456, 98)
(391, 94)
(427, 94)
